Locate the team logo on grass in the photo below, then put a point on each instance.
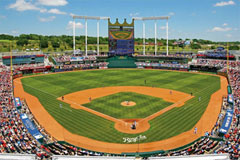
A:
(134, 140)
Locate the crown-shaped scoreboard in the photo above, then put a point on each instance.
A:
(121, 38)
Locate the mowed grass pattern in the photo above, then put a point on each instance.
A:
(111, 105)
(48, 87)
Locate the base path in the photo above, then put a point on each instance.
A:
(206, 123)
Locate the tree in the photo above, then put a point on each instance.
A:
(44, 43)
(213, 47)
(69, 42)
(195, 46)
(22, 42)
(55, 44)
(235, 47)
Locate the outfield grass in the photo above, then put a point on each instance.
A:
(111, 105)
(48, 87)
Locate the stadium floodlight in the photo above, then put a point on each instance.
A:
(143, 19)
(151, 18)
(155, 18)
(104, 18)
(86, 33)
(137, 18)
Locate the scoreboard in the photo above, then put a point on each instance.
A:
(121, 38)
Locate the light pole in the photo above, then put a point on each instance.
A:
(155, 19)
(86, 27)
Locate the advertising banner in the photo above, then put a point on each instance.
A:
(226, 122)
(32, 129)
(17, 102)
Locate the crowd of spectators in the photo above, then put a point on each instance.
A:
(68, 58)
(84, 66)
(216, 63)
(24, 66)
(162, 65)
(179, 55)
(66, 149)
(63, 58)
(231, 144)
(14, 137)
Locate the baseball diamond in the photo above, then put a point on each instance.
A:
(92, 122)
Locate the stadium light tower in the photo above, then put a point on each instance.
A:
(86, 32)
(143, 19)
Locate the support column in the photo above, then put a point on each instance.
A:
(98, 37)
(155, 37)
(86, 37)
(167, 35)
(74, 33)
(144, 37)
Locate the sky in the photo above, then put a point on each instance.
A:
(216, 20)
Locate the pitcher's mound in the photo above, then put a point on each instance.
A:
(128, 103)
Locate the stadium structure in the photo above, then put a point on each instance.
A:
(121, 104)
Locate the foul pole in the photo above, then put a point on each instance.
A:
(155, 28)
(167, 35)
(98, 37)
(74, 46)
(144, 38)
(86, 37)
(11, 67)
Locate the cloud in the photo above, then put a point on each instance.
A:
(78, 25)
(14, 32)
(225, 24)
(53, 2)
(43, 10)
(213, 12)
(47, 19)
(221, 29)
(163, 27)
(171, 13)
(56, 11)
(2, 17)
(22, 5)
(72, 14)
(133, 14)
(228, 35)
(224, 3)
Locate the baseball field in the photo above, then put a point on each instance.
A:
(165, 104)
